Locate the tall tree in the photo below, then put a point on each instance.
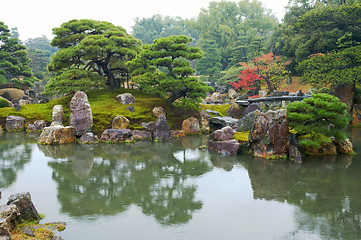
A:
(164, 68)
(97, 47)
(240, 31)
(158, 26)
(14, 61)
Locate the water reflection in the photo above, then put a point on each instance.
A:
(326, 190)
(14, 154)
(107, 178)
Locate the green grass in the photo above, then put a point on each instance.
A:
(104, 108)
(222, 109)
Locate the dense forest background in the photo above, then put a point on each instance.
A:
(318, 40)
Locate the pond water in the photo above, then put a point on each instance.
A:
(174, 190)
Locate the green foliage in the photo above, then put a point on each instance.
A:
(98, 47)
(336, 68)
(230, 32)
(157, 26)
(4, 103)
(163, 68)
(14, 61)
(318, 118)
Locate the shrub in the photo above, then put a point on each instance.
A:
(318, 118)
(4, 103)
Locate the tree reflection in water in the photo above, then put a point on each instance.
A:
(107, 179)
(14, 154)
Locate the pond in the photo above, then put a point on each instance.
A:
(175, 190)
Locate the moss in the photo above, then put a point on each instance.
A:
(222, 109)
(241, 136)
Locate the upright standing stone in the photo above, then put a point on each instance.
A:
(81, 117)
(58, 116)
(26, 207)
(205, 118)
(162, 130)
(37, 126)
(234, 111)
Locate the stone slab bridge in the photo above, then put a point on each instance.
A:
(246, 103)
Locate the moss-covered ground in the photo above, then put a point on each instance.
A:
(104, 108)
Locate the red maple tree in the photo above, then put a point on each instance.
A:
(247, 79)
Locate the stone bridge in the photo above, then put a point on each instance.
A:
(271, 99)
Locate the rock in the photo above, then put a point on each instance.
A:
(246, 123)
(177, 133)
(268, 137)
(294, 150)
(26, 207)
(17, 106)
(1, 132)
(228, 147)
(126, 98)
(162, 130)
(116, 135)
(149, 126)
(205, 120)
(232, 94)
(191, 126)
(213, 112)
(234, 111)
(224, 121)
(14, 123)
(57, 135)
(344, 147)
(58, 116)
(158, 111)
(9, 217)
(223, 134)
(139, 135)
(89, 138)
(130, 108)
(326, 149)
(4, 234)
(37, 126)
(251, 108)
(120, 122)
(23, 102)
(81, 117)
(356, 115)
(216, 98)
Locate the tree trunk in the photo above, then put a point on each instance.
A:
(111, 81)
(268, 82)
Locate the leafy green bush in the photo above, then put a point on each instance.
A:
(4, 103)
(317, 119)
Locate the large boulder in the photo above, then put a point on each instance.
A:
(223, 134)
(232, 94)
(139, 135)
(116, 135)
(158, 111)
(326, 149)
(228, 147)
(251, 108)
(234, 111)
(346, 94)
(344, 147)
(14, 123)
(216, 98)
(224, 121)
(245, 123)
(81, 117)
(120, 122)
(58, 116)
(37, 126)
(126, 98)
(191, 126)
(268, 137)
(26, 207)
(162, 130)
(57, 135)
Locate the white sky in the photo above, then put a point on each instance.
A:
(33, 18)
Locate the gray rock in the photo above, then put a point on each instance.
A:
(141, 135)
(224, 121)
(4, 234)
(9, 217)
(130, 108)
(251, 108)
(26, 207)
(126, 98)
(57, 135)
(81, 117)
(89, 138)
(223, 134)
(57, 115)
(162, 130)
(37, 126)
(158, 111)
(246, 123)
(116, 135)
(234, 111)
(14, 123)
(228, 147)
(212, 112)
(191, 126)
